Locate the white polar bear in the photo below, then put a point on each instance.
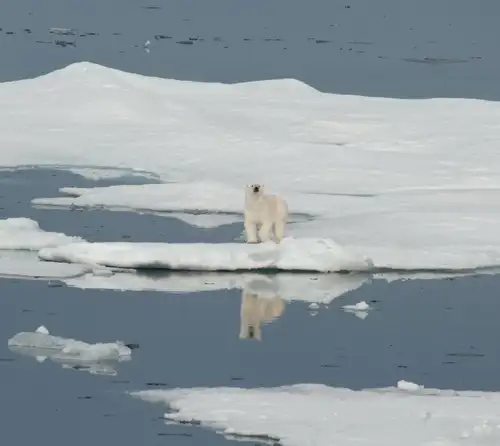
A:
(268, 211)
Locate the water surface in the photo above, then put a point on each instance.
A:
(439, 333)
(386, 48)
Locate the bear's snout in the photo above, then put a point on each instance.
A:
(256, 189)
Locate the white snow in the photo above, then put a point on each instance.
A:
(320, 255)
(26, 234)
(95, 358)
(411, 184)
(312, 414)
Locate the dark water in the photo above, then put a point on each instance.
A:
(394, 48)
(439, 333)
(19, 187)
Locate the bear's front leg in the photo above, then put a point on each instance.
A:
(251, 232)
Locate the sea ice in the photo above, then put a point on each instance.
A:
(26, 264)
(318, 255)
(360, 306)
(26, 234)
(407, 385)
(95, 358)
(360, 310)
(411, 184)
(313, 414)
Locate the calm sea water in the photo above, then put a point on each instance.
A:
(397, 48)
(439, 333)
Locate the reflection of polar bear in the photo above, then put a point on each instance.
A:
(268, 211)
(256, 310)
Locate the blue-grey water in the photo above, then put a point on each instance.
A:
(394, 48)
(439, 333)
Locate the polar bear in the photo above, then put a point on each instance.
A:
(268, 211)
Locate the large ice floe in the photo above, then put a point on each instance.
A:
(409, 184)
(303, 254)
(100, 358)
(312, 414)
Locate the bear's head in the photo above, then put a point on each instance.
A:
(255, 189)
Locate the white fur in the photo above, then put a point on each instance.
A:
(270, 212)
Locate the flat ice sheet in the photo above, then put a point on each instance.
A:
(318, 255)
(311, 414)
(411, 184)
(413, 230)
(26, 264)
(26, 234)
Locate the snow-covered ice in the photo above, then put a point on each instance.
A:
(312, 414)
(95, 358)
(411, 184)
(26, 234)
(303, 254)
(20, 239)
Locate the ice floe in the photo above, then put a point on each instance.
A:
(99, 358)
(318, 255)
(411, 184)
(360, 310)
(26, 234)
(313, 414)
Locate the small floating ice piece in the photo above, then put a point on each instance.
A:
(96, 358)
(360, 310)
(360, 306)
(407, 385)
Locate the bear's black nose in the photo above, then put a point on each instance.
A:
(256, 189)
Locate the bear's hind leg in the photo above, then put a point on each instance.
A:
(251, 232)
(265, 231)
(279, 230)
